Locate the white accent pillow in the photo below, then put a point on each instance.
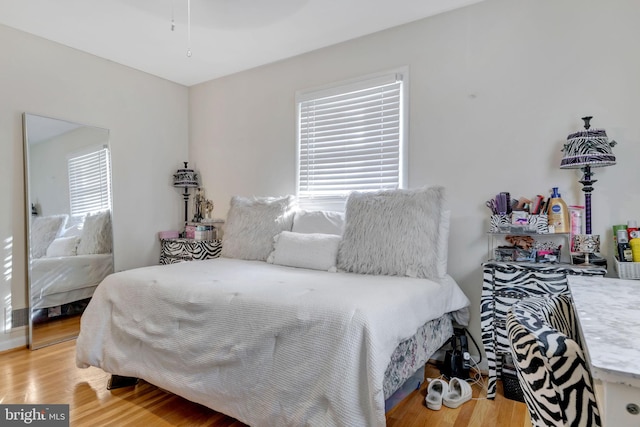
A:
(73, 226)
(253, 222)
(63, 246)
(315, 251)
(324, 222)
(96, 237)
(44, 229)
(74, 230)
(392, 233)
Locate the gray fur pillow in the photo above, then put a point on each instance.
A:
(44, 229)
(252, 223)
(96, 236)
(392, 233)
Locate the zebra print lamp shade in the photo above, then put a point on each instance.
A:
(185, 177)
(589, 147)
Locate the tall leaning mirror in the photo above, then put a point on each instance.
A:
(69, 232)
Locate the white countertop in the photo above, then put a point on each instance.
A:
(609, 316)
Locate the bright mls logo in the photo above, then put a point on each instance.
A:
(35, 415)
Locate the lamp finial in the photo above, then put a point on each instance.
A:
(587, 119)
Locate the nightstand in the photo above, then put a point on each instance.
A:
(507, 282)
(178, 250)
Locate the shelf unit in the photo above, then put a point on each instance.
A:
(496, 239)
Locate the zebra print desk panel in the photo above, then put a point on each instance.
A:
(505, 283)
(178, 250)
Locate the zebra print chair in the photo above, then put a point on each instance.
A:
(551, 366)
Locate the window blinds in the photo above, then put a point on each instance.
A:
(350, 139)
(89, 186)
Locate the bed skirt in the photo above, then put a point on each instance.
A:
(412, 354)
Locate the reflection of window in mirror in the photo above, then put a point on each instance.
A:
(89, 181)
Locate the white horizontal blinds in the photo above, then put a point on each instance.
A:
(349, 139)
(89, 184)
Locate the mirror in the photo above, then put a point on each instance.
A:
(69, 233)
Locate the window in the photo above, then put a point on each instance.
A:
(89, 186)
(350, 137)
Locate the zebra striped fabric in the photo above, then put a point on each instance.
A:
(178, 250)
(556, 382)
(507, 283)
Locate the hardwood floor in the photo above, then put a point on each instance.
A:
(49, 375)
(56, 330)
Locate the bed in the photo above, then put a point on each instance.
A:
(61, 280)
(291, 326)
(70, 256)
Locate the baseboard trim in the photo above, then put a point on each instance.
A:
(13, 343)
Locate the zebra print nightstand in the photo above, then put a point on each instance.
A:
(178, 250)
(505, 283)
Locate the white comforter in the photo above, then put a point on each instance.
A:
(61, 280)
(266, 344)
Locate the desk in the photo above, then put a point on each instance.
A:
(608, 312)
(504, 283)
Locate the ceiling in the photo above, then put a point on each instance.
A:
(226, 36)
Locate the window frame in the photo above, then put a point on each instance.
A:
(401, 74)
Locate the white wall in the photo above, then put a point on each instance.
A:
(494, 90)
(147, 119)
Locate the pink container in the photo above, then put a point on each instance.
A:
(168, 234)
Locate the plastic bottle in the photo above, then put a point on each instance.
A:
(624, 249)
(615, 235)
(575, 215)
(558, 213)
(632, 229)
(635, 249)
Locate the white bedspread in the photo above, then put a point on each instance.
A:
(61, 280)
(266, 344)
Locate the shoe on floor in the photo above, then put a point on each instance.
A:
(458, 393)
(435, 392)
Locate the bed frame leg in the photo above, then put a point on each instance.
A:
(118, 381)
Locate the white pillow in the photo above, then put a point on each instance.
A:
(96, 237)
(74, 230)
(44, 229)
(324, 222)
(252, 223)
(63, 246)
(392, 233)
(315, 251)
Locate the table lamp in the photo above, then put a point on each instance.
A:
(586, 149)
(185, 178)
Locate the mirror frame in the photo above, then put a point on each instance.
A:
(34, 343)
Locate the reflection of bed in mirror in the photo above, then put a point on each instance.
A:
(76, 259)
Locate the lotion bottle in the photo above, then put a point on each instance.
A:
(625, 253)
(558, 213)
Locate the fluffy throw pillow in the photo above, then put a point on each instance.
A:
(96, 237)
(63, 246)
(324, 222)
(392, 233)
(315, 251)
(44, 230)
(252, 223)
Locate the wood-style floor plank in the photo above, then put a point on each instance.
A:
(49, 375)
